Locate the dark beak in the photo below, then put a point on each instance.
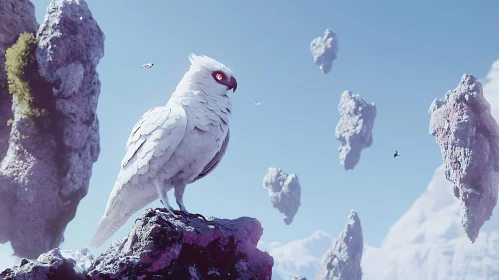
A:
(233, 84)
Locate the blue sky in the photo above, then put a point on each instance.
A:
(398, 54)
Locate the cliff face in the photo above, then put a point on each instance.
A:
(47, 167)
(468, 137)
(343, 261)
(164, 246)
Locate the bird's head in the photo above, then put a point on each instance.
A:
(208, 75)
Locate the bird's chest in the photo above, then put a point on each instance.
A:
(197, 149)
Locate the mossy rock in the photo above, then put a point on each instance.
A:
(10, 122)
(24, 81)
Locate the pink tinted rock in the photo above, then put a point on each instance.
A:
(468, 137)
(179, 247)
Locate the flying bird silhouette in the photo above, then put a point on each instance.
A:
(396, 154)
(173, 146)
(148, 66)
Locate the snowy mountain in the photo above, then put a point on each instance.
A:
(427, 242)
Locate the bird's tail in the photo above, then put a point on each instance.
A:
(107, 227)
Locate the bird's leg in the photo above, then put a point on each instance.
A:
(163, 196)
(179, 196)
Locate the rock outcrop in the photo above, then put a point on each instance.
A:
(50, 265)
(468, 137)
(343, 261)
(46, 170)
(354, 129)
(163, 246)
(284, 192)
(325, 50)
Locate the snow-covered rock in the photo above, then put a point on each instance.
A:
(468, 137)
(325, 50)
(284, 192)
(343, 261)
(354, 129)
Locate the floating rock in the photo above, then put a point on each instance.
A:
(468, 137)
(47, 168)
(354, 129)
(343, 261)
(324, 50)
(284, 191)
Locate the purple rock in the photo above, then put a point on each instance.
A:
(354, 129)
(343, 261)
(46, 173)
(468, 137)
(178, 247)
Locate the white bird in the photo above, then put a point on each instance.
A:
(258, 103)
(148, 65)
(174, 145)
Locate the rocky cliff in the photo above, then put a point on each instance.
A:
(53, 88)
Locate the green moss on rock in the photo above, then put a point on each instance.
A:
(24, 81)
(10, 122)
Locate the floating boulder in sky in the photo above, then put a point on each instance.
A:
(343, 261)
(468, 137)
(354, 129)
(325, 50)
(284, 191)
(54, 132)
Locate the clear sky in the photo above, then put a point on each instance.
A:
(398, 54)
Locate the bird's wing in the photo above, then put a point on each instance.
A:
(216, 159)
(150, 145)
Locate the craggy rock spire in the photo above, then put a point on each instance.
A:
(468, 137)
(284, 192)
(54, 139)
(343, 261)
(355, 127)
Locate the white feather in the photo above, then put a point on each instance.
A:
(175, 144)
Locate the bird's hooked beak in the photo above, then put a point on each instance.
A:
(232, 84)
